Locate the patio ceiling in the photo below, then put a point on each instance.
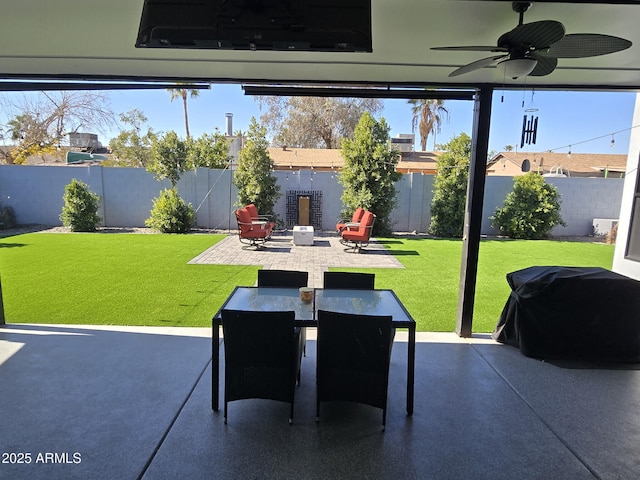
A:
(80, 39)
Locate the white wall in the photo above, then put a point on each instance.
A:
(629, 268)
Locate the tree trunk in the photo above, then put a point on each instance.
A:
(186, 116)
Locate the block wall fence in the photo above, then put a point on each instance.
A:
(35, 193)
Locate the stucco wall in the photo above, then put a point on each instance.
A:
(622, 265)
(35, 193)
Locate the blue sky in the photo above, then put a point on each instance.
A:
(564, 118)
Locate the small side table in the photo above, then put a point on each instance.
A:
(303, 235)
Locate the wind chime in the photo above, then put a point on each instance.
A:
(529, 124)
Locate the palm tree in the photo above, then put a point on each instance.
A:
(427, 116)
(182, 93)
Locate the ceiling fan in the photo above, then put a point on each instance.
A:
(534, 48)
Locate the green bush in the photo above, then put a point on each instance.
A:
(530, 210)
(450, 188)
(80, 210)
(253, 177)
(7, 216)
(368, 175)
(170, 213)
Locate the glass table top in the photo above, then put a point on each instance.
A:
(270, 299)
(370, 302)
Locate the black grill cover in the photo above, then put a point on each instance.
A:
(572, 313)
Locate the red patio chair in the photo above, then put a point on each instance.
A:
(357, 238)
(250, 233)
(355, 219)
(256, 218)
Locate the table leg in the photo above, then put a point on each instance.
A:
(411, 360)
(215, 364)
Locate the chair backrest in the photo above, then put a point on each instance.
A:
(282, 278)
(357, 215)
(260, 350)
(253, 211)
(353, 352)
(349, 280)
(367, 220)
(244, 220)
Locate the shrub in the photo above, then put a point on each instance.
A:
(7, 216)
(80, 210)
(530, 210)
(170, 213)
(450, 188)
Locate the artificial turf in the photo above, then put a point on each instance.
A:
(130, 279)
(428, 286)
(123, 279)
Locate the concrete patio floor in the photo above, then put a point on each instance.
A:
(135, 402)
(104, 402)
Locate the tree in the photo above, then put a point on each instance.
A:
(168, 158)
(182, 93)
(450, 188)
(45, 119)
(530, 210)
(209, 151)
(369, 175)
(132, 147)
(314, 122)
(508, 148)
(427, 117)
(253, 177)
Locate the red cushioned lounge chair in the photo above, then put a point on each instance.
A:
(260, 219)
(356, 238)
(355, 220)
(251, 233)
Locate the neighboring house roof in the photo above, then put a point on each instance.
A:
(325, 159)
(418, 162)
(321, 159)
(574, 165)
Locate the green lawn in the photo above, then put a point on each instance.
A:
(123, 279)
(129, 279)
(428, 286)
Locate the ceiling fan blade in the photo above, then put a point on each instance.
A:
(473, 48)
(545, 66)
(485, 62)
(540, 34)
(580, 45)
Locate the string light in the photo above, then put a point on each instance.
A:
(595, 138)
(613, 141)
(569, 154)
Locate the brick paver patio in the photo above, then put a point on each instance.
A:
(281, 253)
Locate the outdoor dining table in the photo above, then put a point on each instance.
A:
(369, 302)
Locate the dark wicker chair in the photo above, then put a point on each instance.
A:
(282, 278)
(349, 280)
(287, 279)
(354, 352)
(261, 353)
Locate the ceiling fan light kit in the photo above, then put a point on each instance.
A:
(515, 68)
(534, 48)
